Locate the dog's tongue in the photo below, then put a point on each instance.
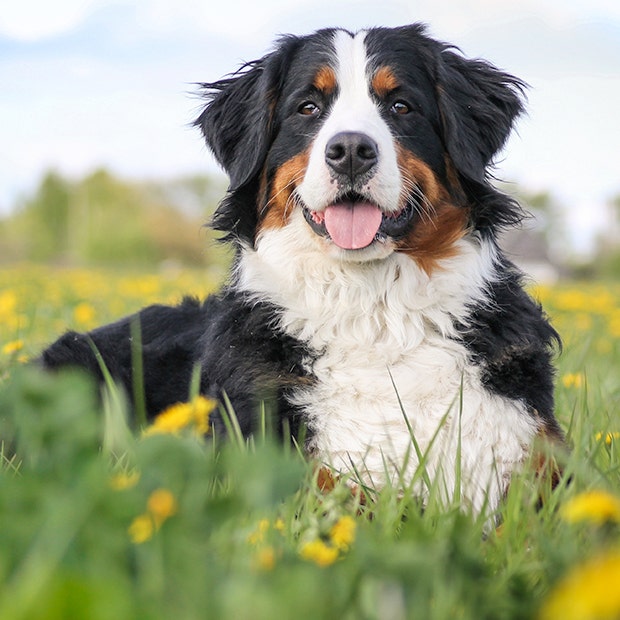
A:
(352, 225)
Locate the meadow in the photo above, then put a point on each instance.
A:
(99, 520)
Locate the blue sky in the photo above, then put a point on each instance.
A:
(110, 83)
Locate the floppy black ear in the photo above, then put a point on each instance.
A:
(479, 105)
(237, 121)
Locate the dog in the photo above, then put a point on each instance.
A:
(369, 302)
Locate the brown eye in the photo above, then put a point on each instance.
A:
(309, 108)
(400, 107)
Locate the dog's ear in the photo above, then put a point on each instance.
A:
(479, 105)
(237, 121)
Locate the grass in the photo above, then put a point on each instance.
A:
(99, 522)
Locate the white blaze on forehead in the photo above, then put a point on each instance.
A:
(354, 110)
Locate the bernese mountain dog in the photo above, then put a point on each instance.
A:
(369, 302)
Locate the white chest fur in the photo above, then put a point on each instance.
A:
(388, 365)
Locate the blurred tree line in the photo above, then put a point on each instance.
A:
(102, 219)
(544, 239)
(607, 258)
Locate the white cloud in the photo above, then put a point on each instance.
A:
(29, 20)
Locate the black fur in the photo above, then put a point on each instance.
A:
(171, 339)
(511, 340)
(225, 338)
(244, 356)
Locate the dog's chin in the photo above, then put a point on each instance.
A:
(376, 251)
(357, 230)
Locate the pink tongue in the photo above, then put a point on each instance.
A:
(352, 225)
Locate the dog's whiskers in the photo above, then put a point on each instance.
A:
(420, 202)
(291, 183)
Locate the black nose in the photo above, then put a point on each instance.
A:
(351, 153)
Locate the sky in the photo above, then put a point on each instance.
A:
(95, 83)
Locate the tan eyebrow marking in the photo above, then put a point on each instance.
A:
(384, 81)
(325, 80)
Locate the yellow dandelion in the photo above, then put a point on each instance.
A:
(84, 314)
(171, 420)
(202, 408)
(595, 506)
(572, 380)
(176, 418)
(8, 303)
(589, 591)
(279, 525)
(265, 558)
(13, 347)
(141, 529)
(608, 437)
(572, 300)
(124, 481)
(614, 325)
(319, 552)
(258, 535)
(161, 505)
(342, 533)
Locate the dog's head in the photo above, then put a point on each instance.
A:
(371, 143)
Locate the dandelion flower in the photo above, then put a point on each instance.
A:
(141, 529)
(265, 559)
(193, 415)
(596, 506)
(342, 532)
(124, 481)
(15, 346)
(201, 410)
(171, 420)
(572, 380)
(609, 437)
(258, 535)
(319, 552)
(8, 303)
(161, 505)
(84, 313)
(588, 592)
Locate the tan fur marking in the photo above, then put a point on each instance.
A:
(384, 81)
(544, 464)
(276, 212)
(547, 467)
(327, 481)
(325, 80)
(441, 223)
(456, 189)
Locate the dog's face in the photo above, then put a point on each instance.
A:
(368, 144)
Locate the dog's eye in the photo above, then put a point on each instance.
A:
(309, 108)
(400, 107)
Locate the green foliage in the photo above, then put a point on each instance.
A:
(105, 220)
(233, 544)
(68, 552)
